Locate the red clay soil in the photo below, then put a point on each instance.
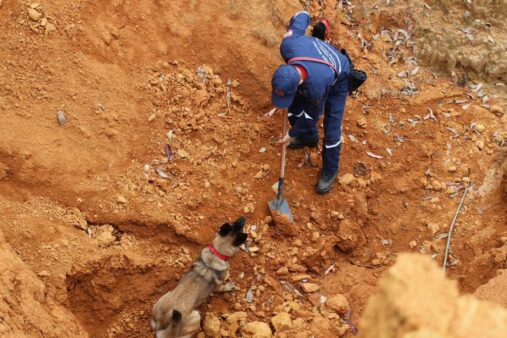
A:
(96, 222)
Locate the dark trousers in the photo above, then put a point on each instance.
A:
(333, 117)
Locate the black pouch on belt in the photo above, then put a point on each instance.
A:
(356, 76)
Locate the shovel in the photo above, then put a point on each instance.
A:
(280, 205)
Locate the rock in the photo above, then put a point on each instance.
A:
(182, 153)
(346, 179)
(348, 236)
(60, 117)
(436, 185)
(321, 327)
(121, 200)
(256, 330)
(362, 123)
(249, 208)
(412, 244)
(152, 117)
(480, 144)
(480, 127)
(282, 271)
(105, 236)
(281, 322)
(452, 169)
(335, 215)
(339, 304)
(497, 110)
(43, 273)
(33, 14)
(300, 277)
(433, 228)
(211, 325)
(235, 321)
(310, 287)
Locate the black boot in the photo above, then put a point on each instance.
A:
(296, 143)
(325, 183)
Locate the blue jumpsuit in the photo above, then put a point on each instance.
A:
(323, 92)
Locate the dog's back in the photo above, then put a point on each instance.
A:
(172, 314)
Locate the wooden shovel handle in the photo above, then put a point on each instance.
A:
(284, 150)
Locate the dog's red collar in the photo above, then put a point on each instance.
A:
(215, 252)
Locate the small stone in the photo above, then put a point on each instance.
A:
(50, 27)
(256, 330)
(362, 123)
(105, 238)
(237, 307)
(300, 277)
(412, 244)
(262, 150)
(282, 271)
(235, 84)
(335, 215)
(121, 199)
(281, 321)
(182, 153)
(433, 228)
(452, 169)
(152, 117)
(249, 208)
(346, 179)
(60, 117)
(315, 236)
(480, 144)
(339, 304)
(497, 110)
(33, 14)
(436, 185)
(434, 200)
(211, 325)
(480, 127)
(43, 273)
(310, 287)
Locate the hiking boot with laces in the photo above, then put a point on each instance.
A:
(296, 143)
(325, 183)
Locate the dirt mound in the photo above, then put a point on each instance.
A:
(25, 306)
(103, 212)
(416, 300)
(494, 290)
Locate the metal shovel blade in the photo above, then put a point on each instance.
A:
(282, 207)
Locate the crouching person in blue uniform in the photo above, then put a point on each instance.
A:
(312, 83)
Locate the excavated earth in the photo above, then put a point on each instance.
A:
(97, 221)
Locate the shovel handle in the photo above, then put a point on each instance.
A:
(284, 150)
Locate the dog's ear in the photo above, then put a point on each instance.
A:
(239, 224)
(225, 229)
(240, 239)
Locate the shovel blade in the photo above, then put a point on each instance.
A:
(282, 207)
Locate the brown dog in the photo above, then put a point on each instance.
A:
(174, 314)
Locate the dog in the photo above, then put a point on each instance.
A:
(174, 314)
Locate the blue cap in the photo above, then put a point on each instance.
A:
(285, 83)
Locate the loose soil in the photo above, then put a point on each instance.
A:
(96, 222)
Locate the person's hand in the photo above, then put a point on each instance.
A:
(270, 113)
(285, 140)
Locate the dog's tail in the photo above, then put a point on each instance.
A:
(176, 319)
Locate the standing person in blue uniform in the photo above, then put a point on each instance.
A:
(312, 83)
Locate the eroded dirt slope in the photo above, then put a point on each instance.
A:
(97, 223)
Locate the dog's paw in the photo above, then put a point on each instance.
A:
(228, 287)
